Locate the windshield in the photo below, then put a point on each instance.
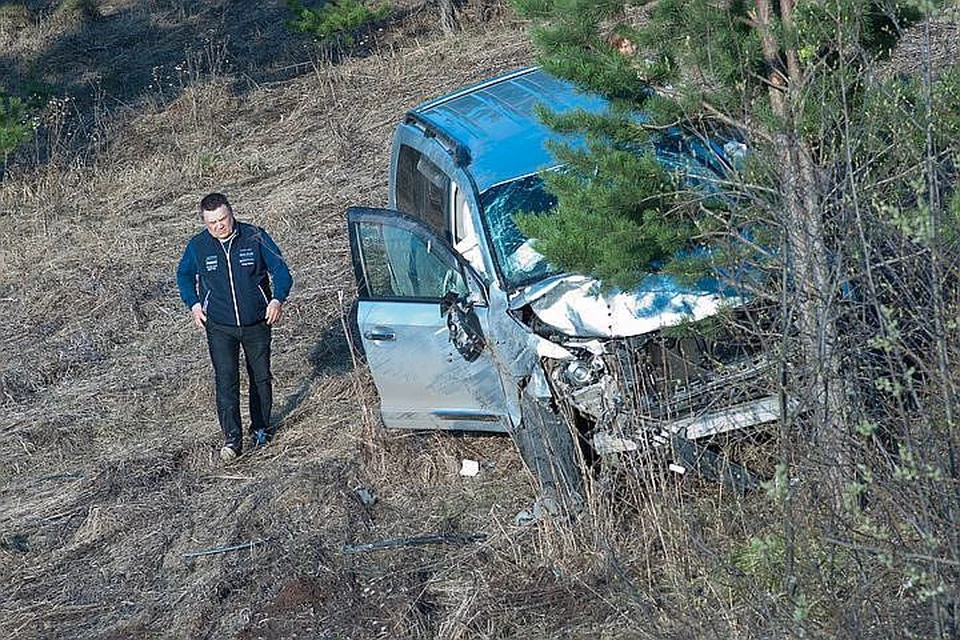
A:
(702, 162)
(519, 263)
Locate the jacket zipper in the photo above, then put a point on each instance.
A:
(233, 292)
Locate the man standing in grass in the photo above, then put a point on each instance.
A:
(225, 278)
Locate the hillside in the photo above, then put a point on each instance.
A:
(117, 518)
(108, 467)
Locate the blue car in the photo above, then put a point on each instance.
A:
(465, 326)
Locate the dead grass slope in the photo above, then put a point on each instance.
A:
(117, 519)
(108, 470)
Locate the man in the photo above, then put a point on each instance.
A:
(224, 278)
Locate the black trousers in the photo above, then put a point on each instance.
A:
(224, 342)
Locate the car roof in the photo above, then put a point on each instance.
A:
(494, 126)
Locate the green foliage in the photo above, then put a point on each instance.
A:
(571, 46)
(617, 217)
(820, 572)
(707, 62)
(15, 125)
(709, 328)
(620, 213)
(763, 558)
(725, 52)
(911, 467)
(335, 20)
(913, 134)
(777, 488)
(873, 27)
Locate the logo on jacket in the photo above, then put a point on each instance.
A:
(211, 263)
(247, 257)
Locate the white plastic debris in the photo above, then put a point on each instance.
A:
(366, 496)
(469, 468)
(524, 518)
(605, 443)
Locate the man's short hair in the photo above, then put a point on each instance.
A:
(213, 201)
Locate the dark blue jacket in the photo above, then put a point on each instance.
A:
(232, 280)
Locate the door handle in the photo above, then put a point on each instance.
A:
(380, 334)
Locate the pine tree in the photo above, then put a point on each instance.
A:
(837, 142)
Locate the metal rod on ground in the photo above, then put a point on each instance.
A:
(394, 543)
(237, 547)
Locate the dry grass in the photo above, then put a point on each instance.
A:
(109, 479)
(109, 473)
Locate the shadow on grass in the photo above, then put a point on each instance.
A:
(99, 60)
(332, 356)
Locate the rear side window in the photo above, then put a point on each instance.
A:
(422, 190)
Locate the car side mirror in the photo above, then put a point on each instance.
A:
(463, 325)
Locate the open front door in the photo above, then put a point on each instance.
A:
(415, 294)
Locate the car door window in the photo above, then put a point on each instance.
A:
(399, 264)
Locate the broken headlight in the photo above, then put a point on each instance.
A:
(584, 383)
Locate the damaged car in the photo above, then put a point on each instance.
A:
(465, 326)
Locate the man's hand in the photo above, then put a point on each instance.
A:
(274, 311)
(199, 317)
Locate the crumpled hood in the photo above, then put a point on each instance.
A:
(577, 305)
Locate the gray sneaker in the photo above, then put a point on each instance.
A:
(228, 453)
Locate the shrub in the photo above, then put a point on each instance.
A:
(15, 125)
(336, 20)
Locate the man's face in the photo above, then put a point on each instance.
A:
(219, 222)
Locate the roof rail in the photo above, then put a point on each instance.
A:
(477, 86)
(457, 151)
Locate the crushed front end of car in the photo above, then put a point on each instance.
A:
(664, 364)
